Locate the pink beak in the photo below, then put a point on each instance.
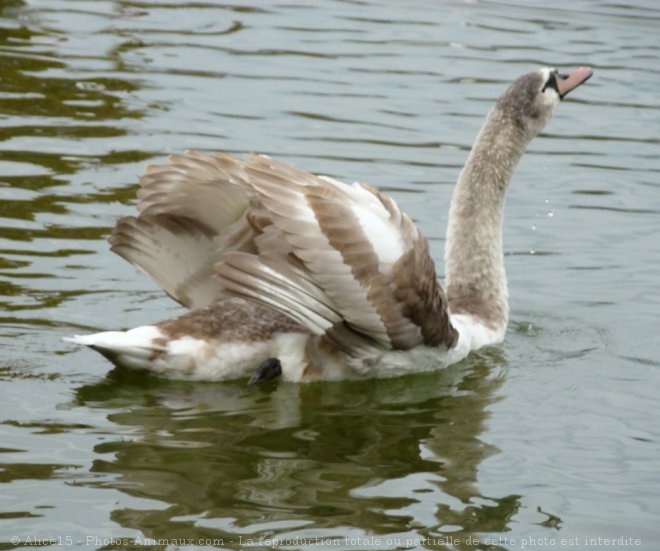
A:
(567, 81)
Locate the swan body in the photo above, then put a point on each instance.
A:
(200, 357)
(290, 273)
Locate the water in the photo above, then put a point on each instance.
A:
(550, 441)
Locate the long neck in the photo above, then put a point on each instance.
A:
(474, 259)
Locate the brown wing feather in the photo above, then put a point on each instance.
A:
(191, 211)
(417, 286)
(288, 239)
(397, 306)
(170, 250)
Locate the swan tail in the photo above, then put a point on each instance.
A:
(135, 348)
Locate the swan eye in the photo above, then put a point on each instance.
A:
(552, 81)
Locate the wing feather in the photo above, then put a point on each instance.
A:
(191, 211)
(175, 252)
(273, 282)
(358, 248)
(342, 260)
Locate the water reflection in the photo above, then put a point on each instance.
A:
(44, 104)
(232, 460)
(54, 116)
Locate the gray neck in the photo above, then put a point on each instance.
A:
(474, 259)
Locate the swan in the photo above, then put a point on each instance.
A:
(304, 277)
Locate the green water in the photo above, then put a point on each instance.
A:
(550, 441)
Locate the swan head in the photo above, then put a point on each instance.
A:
(531, 100)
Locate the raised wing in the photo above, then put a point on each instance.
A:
(342, 260)
(191, 211)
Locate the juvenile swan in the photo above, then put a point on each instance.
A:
(292, 274)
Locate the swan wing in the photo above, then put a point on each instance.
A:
(191, 211)
(342, 260)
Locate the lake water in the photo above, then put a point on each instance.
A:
(550, 441)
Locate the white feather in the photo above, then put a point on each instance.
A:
(133, 348)
(375, 222)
